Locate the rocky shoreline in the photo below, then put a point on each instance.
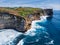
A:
(20, 23)
(36, 16)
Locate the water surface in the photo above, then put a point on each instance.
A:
(42, 32)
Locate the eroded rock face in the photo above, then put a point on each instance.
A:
(19, 23)
(35, 16)
(11, 21)
(49, 12)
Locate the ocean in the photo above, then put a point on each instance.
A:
(43, 32)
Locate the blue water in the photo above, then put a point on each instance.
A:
(54, 28)
(42, 32)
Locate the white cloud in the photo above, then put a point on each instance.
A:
(44, 4)
(55, 6)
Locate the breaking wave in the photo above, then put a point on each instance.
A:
(37, 35)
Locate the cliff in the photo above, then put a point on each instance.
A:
(49, 12)
(10, 21)
(35, 16)
(20, 18)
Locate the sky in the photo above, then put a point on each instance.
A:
(31, 3)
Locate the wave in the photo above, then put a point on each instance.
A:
(37, 35)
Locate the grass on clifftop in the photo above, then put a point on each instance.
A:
(21, 11)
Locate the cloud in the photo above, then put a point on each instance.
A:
(55, 6)
(31, 3)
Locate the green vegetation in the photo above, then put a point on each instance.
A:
(26, 11)
(23, 11)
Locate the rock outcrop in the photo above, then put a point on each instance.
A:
(11, 19)
(8, 21)
(35, 16)
(49, 12)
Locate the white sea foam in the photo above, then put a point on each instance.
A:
(7, 36)
(21, 42)
(36, 33)
(33, 35)
(42, 21)
(49, 43)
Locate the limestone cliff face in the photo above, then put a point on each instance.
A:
(8, 20)
(49, 12)
(35, 16)
(15, 21)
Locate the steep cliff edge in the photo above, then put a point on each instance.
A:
(21, 22)
(49, 12)
(36, 16)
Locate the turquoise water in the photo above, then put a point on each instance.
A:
(43, 32)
